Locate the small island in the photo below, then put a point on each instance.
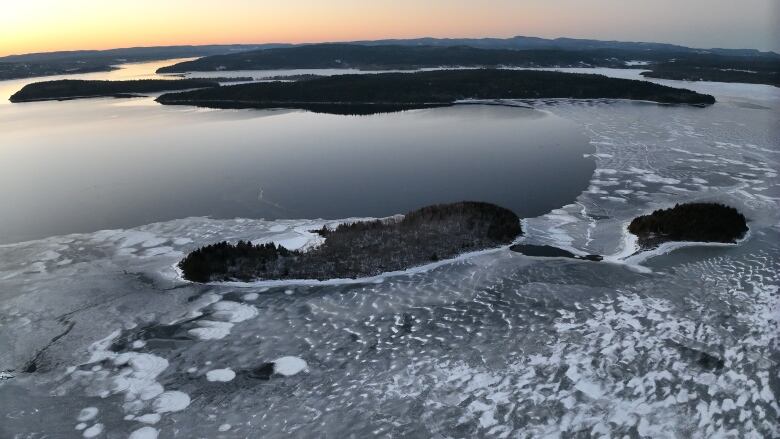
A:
(699, 222)
(67, 89)
(362, 249)
(383, 92)
(548, 251)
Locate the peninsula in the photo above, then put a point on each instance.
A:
(77, 89)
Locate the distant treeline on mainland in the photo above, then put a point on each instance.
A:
(728, 66)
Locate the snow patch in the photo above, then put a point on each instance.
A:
(233, 312)
(654, 178)
(87, 414)
(93, 431)
(289, 366)
(149, 418)
(171, 401)
(210, 330)
(144, 433)
(220, 375)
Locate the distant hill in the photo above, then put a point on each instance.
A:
(514, 43)
(683, 65)
(131, 54)
(526, 43)
(85, 61)
(539, 52)
(402, 57)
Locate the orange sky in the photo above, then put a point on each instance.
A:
(48, 25)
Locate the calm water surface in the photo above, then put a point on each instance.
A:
(86, 165)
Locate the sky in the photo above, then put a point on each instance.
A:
(49, 25)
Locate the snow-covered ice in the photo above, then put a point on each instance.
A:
(676, 342)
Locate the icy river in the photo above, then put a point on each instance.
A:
(100, 338)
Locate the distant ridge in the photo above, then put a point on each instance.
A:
(517, 42)
(522, 43)
(679, 65)
(86, 61)
(138, 53)
(581, 53)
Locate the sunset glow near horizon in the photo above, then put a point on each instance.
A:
(51, 25)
